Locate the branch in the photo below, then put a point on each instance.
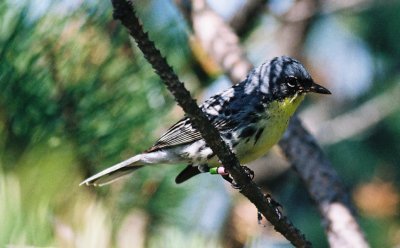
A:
(324, 186)
(331, 7)
(359, 119)
(125, 13)
(294, 26)
(218, 40)
(301, 149)
(248, 13)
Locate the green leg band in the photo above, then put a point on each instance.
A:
(214, 170)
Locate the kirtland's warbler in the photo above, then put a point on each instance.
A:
(251, 117)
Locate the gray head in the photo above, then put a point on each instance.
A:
(288, 77)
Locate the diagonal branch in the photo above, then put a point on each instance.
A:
(125, 13)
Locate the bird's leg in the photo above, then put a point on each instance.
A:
(220, 170)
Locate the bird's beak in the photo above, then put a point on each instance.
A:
(318, 89)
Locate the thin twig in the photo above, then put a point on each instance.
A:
(125, 13)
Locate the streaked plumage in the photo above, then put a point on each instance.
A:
(251, 117)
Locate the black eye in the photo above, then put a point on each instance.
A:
(291, 81)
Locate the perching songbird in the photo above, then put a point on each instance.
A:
(251, 117)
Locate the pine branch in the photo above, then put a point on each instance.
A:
(124, 11)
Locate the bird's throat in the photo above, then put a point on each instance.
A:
(289, 105)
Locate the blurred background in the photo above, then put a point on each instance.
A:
(76, 96)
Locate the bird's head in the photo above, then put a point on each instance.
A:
(289, 78)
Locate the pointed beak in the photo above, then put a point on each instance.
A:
(318, 89)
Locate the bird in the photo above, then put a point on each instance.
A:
(251, 117)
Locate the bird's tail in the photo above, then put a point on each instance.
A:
(115, 172)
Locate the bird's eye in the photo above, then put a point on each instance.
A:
(291, 81)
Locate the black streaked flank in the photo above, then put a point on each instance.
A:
(247, 132)
(258, 135)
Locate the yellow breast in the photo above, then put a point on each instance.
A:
(279, 113)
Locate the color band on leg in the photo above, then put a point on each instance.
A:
(218, 171)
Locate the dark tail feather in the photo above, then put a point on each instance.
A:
(187, 173)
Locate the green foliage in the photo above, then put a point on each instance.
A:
(381, 30)
(173, 237)
(68, 78)
(74, 96)
(30, 196)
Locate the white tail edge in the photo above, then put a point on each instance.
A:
(115, 172)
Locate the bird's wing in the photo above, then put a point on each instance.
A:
(183, 132)
(180, 133)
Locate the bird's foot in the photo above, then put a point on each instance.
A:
(220, 170)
